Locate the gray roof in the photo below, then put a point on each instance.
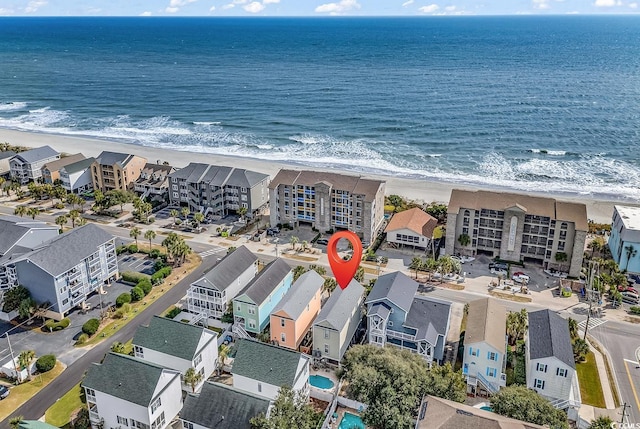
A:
(298, 297)
(222, 407)
(380, 309)
(170, 337)
(396, 287)
(6, 154)
(429, 317)
(487, 321)
(219, 175)
(13, 229)
(37, 154)
(131, 379)
(246, 178)
(112, 158)
(338, 308)
(549, 336)
(59, 163)
(266, 363)
(221, 276)
(67, 250)
(78, 165)
(266, 281)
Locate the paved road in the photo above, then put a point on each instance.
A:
(36, 406)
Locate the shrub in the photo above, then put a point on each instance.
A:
(154, 254)
(171, 314)
(136, 294)
(51, 325)
(634, 310)
(83, 338)
(122, 299)
(126, 308)
(133, 277)
(145, 285)
(133, 248)
(119, 314)
(158, 265)
(45, 363)
(159, 275)
(121, 249)
(91, 326)
(59, 206)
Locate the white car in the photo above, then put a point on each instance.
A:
(520, 277)
(498, 272)
(464, 259)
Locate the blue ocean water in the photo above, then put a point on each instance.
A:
(524, 103)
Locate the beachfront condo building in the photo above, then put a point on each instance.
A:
(516, 227)
(51, 170)
(116, 171)
(624, 241)
(27, 166)
(328, 201)
(154, 181)
(219, 191)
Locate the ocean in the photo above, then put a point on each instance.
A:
(524, 103)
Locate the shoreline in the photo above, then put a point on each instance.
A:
(599, 210)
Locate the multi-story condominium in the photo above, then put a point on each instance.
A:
(485, 347)
(179, 346)
(211, 295)
(27, 166)
(517, 227)
(551, 368)
(261, 369)
(328, 201)
(76, 177)
(125, 391)
(411, 227)
(154, 181)
(67, 268)
(624, 241)
(5, 157)
(399, 318)
(254, 304)
(116, 171)
(335, 326)
(218, 190)
(51, 170)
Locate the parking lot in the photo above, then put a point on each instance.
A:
(137, 263)
(538, 279)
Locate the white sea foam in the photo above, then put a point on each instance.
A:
(206, 123)
(14, 105)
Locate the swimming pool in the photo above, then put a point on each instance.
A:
(320, 382)
(351, 421)
(486, 408)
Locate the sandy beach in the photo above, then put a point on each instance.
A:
(421, 190)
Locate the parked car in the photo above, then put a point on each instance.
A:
(630, 297)
(498, 266)
(555, 273)
(464, 259)
(520, 277)
(498, 271)
(627, 289)
(4, 392)
(322, 241)
(273, 231)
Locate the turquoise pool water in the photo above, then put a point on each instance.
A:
(320, 382)
(486, 408)
(351, 421)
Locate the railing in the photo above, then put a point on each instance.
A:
(400, 335)
(562, 404)
(486, 383)
(240, 331)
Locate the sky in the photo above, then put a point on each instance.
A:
(312, 7)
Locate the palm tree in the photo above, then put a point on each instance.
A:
(416, 264)
(20, 211)
(561, 258)
(24, 360)
(631, 252)
(580, 350)
(601, 422)
(329, 285)
(242, 211)
(430, 265)
(181, 251)
(118, 347)
(298, 271)
(2, 182)
(197, 219)
(15, 422)
(516, 325)
(33, 212)
(185, 212)
(192, 378)
(150, 235)
(304, 245)
(464, 240)
(573, 328)
(445, 264)
(61, 221)
(223, 353)
(174, 214)
(135, 233)
(74, 215)
(294, 240)
(318, 269)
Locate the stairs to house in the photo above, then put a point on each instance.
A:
(239, 330)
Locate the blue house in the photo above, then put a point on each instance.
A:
(396, 316)
(624, 240)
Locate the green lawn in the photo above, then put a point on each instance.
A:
(590, 387)
(59, 414)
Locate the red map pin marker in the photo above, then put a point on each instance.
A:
(344, 270)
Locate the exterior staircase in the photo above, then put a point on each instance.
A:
(491, 387)
(239, 330)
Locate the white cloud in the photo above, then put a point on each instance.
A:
(228, 6)
(541, 4)
(429, 9)
(240, 1)
(212, 9)
(254, 7)
(33, 6)
(605, 3)
(172, 9)
(633, 5)
(407, 3)
(178, 3)
(270, 1)
(6, 11)
(340, 7)
(145, 13)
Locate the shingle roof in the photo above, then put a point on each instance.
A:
(549, 336)
(396, 287)
(338, 308)
(14, 228)
(219, 175)
(65, 251)
(487, 321)
(246, 178)
(37, 154)
(266, 281)
(112, 158)
(79, 165)
(266, 363)
(170, 337)
(298, 297)
(221, 276)
(222, 407)
(59, 163)
(7, 154)
(430, 317)
(415, 220)
(125, 377)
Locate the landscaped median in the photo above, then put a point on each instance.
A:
(590, 386)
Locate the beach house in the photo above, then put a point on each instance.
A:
(261, 369)
(624, 241)
(211, 294)
(179, 346)
(291, 319)
(412, 228)
(76, 177)
(517, 227)
(116, 171)
(398, 317)
(154, 181)
(218, 190)
(254, 304)
(551, 368)
(5, 157)
(485, 347)
(51, 170)
(27, 166)
(328, 201)
(336, 325)
(125, 391)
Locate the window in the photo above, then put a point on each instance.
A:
(238, 307)
(283, 337)
(542, 367)
(65, 301)
(197, 360)
(538, 384)
(123, 421)
(90, 392)
(282, 322)
(561, 372)
(492, 356)
(175, 195)
(491, 372)
(252, 324)
(155, 405)
(252, 309)
(473, 352)
(243, 189)
(159, 423)
(259, 387)
(326, 334)
(138, 351)
(187, 425)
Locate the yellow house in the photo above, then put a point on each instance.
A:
(113, 170)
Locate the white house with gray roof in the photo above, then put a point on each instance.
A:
(396, 316)
(125, 391)
(219, 190)
(179, 346)
(335, 326)
(211, 294)
(27, 166)
(551, 368)
(76, 177)
(261, 369)
(5, 157)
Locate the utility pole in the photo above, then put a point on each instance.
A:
(592, 294)
(624, 412)
(13, 361)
